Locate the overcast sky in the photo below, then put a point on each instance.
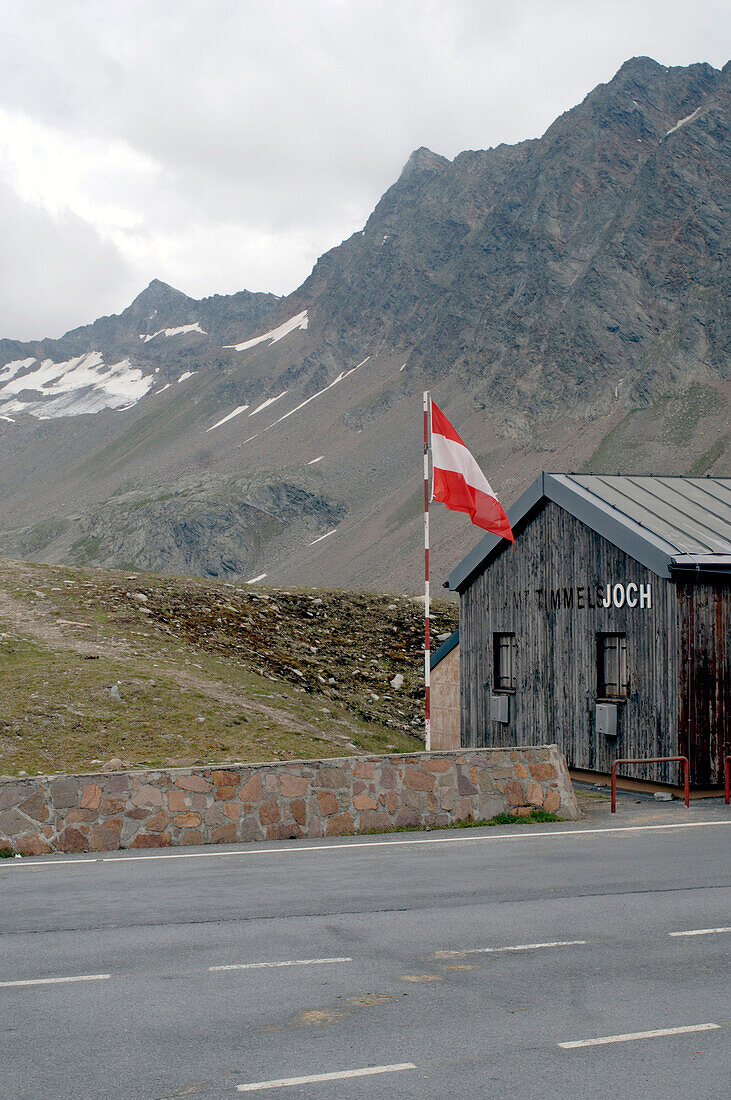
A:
(225, 144)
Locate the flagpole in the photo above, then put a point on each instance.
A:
(427, 644)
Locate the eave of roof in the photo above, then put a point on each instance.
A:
(444, 649)
(628, 534)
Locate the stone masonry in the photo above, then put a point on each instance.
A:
(278, 801)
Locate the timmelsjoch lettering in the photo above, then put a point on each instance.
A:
(581, 597)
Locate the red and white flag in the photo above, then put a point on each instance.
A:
(459, 482)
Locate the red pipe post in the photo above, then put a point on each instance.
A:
(727, 769)
(658, 760)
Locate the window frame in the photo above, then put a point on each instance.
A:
(603, 672)
(500, 637)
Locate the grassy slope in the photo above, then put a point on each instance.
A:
(684, 433)
(203, 671)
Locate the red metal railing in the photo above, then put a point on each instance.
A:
(655, 760)
(727, 769)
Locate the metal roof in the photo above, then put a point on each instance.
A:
(673, 525)
(446, 647)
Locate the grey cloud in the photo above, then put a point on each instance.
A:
(288, 119)
(51, 269)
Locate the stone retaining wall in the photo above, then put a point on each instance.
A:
(279, 801)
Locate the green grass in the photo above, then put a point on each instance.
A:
(208, 672)
(706, 461)
(41, 535)
(671, 421)
(86, 549)
(683, 412)
(60, 715)
(611, 453)
(535, 817)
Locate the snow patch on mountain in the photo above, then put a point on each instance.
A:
(343, 374)
(275, 335)
(684, 121)
(321, 537)
(231, 415)
(11, 369)
(85, 384)
(269, 401)
(180, 331)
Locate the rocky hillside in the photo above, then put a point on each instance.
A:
(564, 299)
(163, 670)
(548, 274)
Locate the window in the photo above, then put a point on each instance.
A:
(505, 650)
(612, 678)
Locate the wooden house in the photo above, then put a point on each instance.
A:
(608, 631)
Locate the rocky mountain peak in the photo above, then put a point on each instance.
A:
(160, 296)
(640, 66)
(423, 159)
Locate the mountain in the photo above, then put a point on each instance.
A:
(563, 298)
(116, 360)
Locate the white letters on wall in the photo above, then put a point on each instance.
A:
(617, 595)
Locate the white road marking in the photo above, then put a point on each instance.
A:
(700, 932)
(57, 981)
(632, 1035)
(289, 962)
(356, 843)
(313, 1078)
(499, 950)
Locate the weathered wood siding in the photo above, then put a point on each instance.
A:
(546, 594)
(705, 682)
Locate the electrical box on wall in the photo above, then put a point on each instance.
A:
(500, 708)
(606, 719)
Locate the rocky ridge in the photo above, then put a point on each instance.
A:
(564, 299)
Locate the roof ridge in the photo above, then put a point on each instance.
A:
(581, 496)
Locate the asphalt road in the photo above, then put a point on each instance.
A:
(447, 965)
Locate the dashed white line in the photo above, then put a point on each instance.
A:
(700, 932)
(57, 981)
(356, 843)
(288, 962)
(632, 1035)
(500, 950)
(313, 1078)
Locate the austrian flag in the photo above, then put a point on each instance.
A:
(459, 482)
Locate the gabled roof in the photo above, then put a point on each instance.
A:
(676, 526)
(446, 647)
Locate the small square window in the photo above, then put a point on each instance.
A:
(505, 652)
(612, 676)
